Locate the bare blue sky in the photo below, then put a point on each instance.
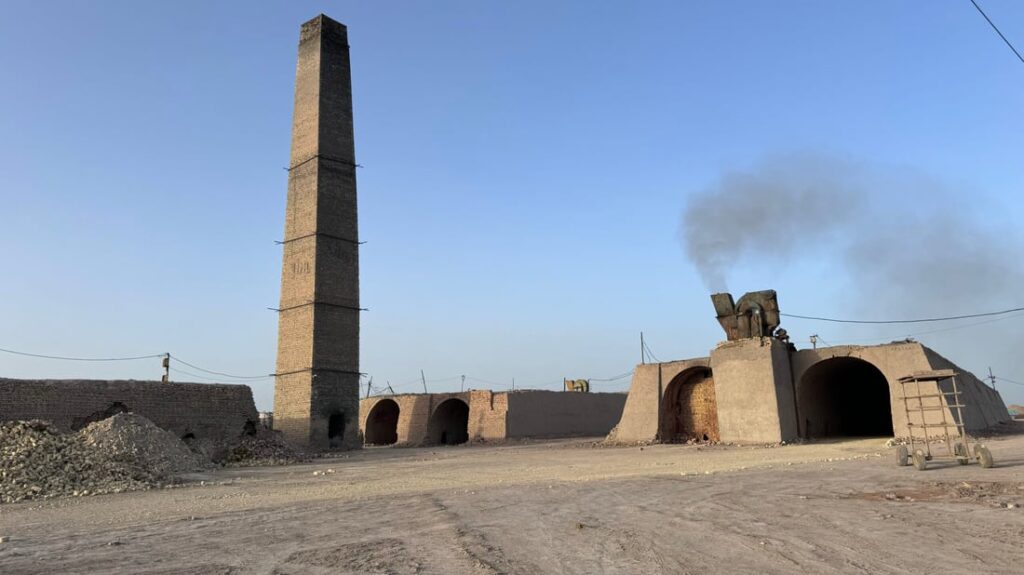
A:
(527, 165)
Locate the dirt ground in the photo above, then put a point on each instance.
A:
(549, 507)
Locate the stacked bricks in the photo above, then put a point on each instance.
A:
(316, 396)
(207, 411)
(689, 410)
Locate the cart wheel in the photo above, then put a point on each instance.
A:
(984, 457)
(919, 460)
(961, 453)
(902, 456)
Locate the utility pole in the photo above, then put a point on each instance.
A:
(167, 368)
(513, 384)
(643, 354)
(369, 386)
(424, 378)
(391, 389)
(463, 388)
(814, 341)
(991, 377)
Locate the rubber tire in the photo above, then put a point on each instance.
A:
(985, 457)
(919, 460)
(960, 450)
(902, 456)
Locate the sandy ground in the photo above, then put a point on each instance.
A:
(550, 507)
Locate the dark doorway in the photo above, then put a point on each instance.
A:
(336, 430)
(111, 410)
(844, 397)
(449, 425)
(688, 409)
(382, 423)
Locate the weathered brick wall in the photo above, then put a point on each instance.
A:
(502, 415)
(212, 411)
(416, 409)
(488, 415)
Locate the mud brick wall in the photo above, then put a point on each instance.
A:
(539, 413)
(488, 413)
(207, 411)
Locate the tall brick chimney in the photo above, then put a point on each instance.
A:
(316, 391)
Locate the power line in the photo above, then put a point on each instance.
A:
(488, 382)
(890, 321)
(940, 330)
(994, 27)
(60, 357)
(651, 353)
(1008, 380)
(220, 373)
(190, 374)
(614, 378)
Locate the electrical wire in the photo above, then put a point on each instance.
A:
(614, 378)
(994, 27)
(651, 353)
(221, 373)
(190, 374)
(488, 382)
(1008, 380)
(929, 332)
(64, 358)
(891, 321)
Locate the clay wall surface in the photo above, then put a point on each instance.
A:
(208, 411)
(984, 406)
(540, 413)
(640, 414)
(754, 391)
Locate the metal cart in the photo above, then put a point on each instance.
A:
(917, 405)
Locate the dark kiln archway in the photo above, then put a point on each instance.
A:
(449, 424)
(844, 396)
(688, 408)
(382, 423)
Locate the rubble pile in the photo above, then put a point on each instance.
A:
(265, 447)
(125, 452)
(137, 441)
(38, 462)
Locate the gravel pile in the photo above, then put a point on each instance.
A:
(265, 447)
(38, 462)
(137, 441)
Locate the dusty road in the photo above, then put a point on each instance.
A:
(555, 507)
